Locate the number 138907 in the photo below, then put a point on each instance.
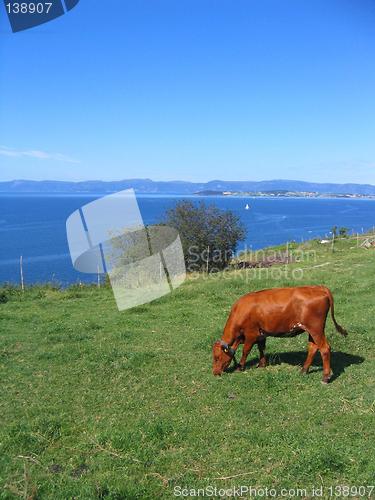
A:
(351, 491)
(28, 8)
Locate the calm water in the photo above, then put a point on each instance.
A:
(34, 226)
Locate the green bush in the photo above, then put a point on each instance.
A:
(209, 235)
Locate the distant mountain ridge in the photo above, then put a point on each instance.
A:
(148, 186)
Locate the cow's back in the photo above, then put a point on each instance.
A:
(280, 309)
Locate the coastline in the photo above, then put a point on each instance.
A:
(85, 194)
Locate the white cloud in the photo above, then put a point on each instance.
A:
(34, 153)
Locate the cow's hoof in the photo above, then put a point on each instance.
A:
(262, 365)
(304, 371)
(240, 368)
(327, 378)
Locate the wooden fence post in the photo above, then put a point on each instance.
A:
(21, 273)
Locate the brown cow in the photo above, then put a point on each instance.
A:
(277, 312)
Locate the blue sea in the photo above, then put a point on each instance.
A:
(34, 226)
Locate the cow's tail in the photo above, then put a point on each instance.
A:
(338, 327)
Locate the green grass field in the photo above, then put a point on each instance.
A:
(97, 403)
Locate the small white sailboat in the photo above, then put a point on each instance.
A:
(247, 206)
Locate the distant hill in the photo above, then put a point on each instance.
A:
(148, 186)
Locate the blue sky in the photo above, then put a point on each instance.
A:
(192, 89)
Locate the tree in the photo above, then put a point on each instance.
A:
(209, 235)
(343, 232)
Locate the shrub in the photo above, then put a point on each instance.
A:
(209, 235)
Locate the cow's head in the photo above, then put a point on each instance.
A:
(222, 355)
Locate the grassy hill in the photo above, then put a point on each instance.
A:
(101, 404)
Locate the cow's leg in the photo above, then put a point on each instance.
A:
(325, 351)
(245, 352)
(312, 348)
(262, 358)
